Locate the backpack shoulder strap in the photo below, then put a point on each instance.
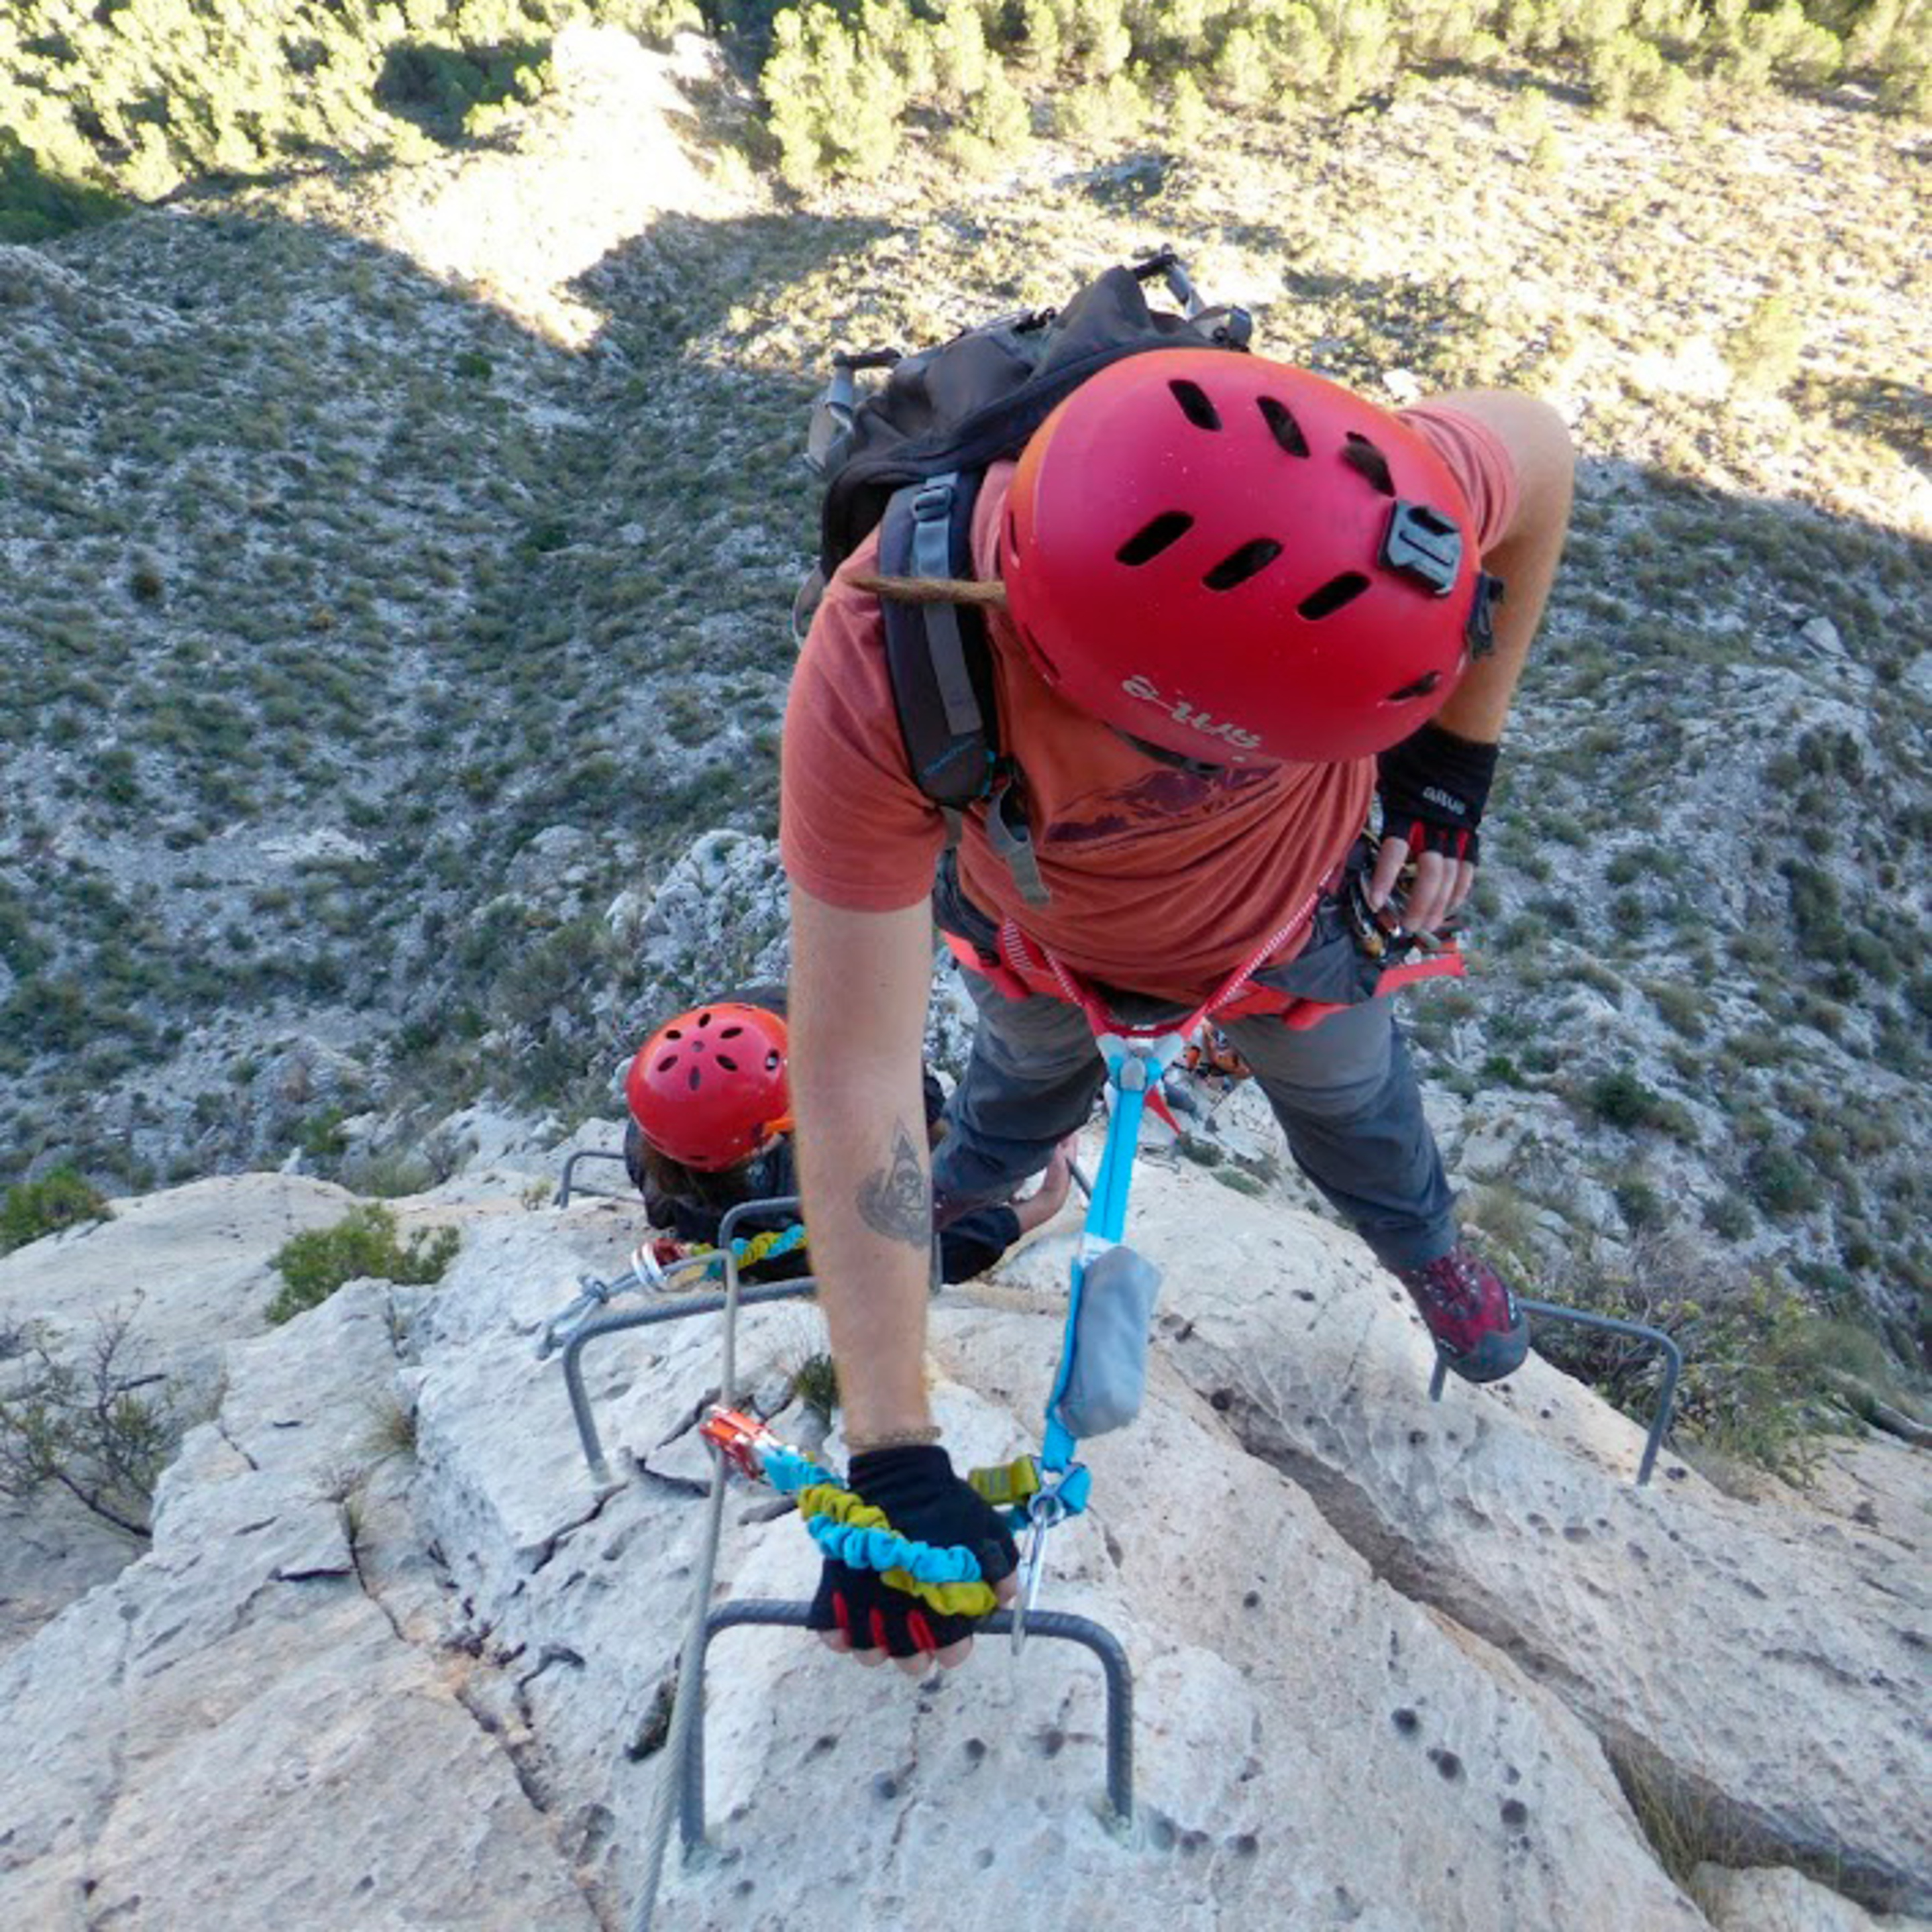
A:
(939, 662)
(941, 667)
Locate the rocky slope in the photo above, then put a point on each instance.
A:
(1396, 1666)
(397, 568)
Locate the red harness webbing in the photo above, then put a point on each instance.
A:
(1023, 967)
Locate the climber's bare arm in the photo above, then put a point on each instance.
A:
(860, 984)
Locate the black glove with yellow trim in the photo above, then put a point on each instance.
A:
(916, 1492)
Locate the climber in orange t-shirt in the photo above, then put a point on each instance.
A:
(1229, 603)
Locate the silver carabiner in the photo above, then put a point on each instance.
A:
(1044, 1513)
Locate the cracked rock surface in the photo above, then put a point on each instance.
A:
(1763, 1665)
(188, 1270)
(384, 1678)
(232, 1733)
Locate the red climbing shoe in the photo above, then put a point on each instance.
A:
(1479, 1330)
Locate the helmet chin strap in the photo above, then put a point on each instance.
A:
(1198, 767)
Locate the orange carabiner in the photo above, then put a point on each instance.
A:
(740, 1438)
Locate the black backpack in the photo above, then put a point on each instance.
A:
(908, 459)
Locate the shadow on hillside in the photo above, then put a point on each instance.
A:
(1897, 413)
(1511, 77)
(1396, 309)
(436, 85)
(629, 589)
(36, 205)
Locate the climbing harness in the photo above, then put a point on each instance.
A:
(1102, 1371)
(1103, 1358)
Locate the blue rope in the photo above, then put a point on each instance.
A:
(793, 1236)
(789, 1471)
(883, 1549)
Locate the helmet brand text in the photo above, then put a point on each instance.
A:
(1182, 713)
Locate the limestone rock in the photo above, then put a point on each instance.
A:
(233, 1734)
(719, 917)
(1779, 1900)
(394, 1662)
(189, 1270)
(1331, 1779)
(1699, 1636)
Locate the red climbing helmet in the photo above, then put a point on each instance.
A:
(708, 1088)
(1237, 561)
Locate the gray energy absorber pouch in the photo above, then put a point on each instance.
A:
(1108, 1377)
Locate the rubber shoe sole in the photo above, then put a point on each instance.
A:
(1498, 1354)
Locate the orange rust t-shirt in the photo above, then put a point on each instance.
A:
(1161, 881)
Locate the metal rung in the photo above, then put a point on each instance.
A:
(1673, 1367)
(645, 1318)
(562, 1197)
(1095, 1637)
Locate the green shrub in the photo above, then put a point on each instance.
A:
(36, 203)
(1639, 1203)
(59, 1199)
(1781, 1182)
(834, 96)
(814, 1381)
(364, 1243)
(1730, 1217)
(1630, 76)
(1763, 350)
(1680, 1008)
(1620, 1100)
(98, 1429)
(1113, 110)
(321, 1137)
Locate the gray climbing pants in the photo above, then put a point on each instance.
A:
(1344, 1091)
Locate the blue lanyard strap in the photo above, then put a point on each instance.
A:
(1134, 1068)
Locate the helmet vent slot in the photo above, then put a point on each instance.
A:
(1283, 426)
(1333, 595)
(694, 1078)
(1421, 688)
(1148, 543)
(730, 1065)
(1365, 460)
(1238, 566)
(1196, 405)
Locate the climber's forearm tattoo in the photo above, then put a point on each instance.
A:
(896, 1200)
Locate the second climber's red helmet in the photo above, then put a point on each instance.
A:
(708, 1088)
(1237, 561)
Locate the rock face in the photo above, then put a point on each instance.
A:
(188, 1270)
(393, 1662)
(1782, 1900)
(1699, 1637)
(232, 1732)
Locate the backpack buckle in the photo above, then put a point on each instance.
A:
(933, 502)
